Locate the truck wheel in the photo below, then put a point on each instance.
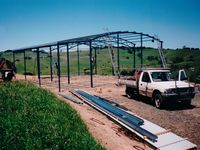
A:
(187, 102)
(129, 92)
(158, 100)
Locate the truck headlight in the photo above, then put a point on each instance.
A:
(169, 91)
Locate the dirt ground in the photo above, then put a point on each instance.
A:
(183, 121)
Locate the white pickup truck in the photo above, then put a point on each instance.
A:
(159, 86)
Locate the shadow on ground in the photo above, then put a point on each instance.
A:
(171, 106)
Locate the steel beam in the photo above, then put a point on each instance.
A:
(68, 69)
(58, 66)
(38, 66)
(161, 47)
(118, 53)
(50, 57)
(91, 70)
(78, 59)
(134, 62)
(141, 51)
(13, 58)
(25, 64)
(95, 60)
(129, 120)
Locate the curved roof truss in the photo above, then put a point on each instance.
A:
(125, 38)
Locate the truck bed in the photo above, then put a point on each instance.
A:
(128, 81)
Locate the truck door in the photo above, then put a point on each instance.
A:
(143, 84)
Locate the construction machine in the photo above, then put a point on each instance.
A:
(7, 70)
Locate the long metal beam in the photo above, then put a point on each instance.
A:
(58, 66)
(95, 60)
(91, 70)
(38, 65)
(25, 64)
(134, 61)
(14, 58)
(118, 64)
(78, 59)
(50, 63)
(130, 120)
(141, 51)
(68, 68)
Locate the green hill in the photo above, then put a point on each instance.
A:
(176, 59)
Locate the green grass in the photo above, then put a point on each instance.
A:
(33, 118)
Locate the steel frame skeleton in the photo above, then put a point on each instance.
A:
(118, 39)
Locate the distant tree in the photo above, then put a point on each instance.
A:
(190, 58)
(192, 49)
(177, 59)
(7, 51)
(156, 57)
(184, 46)
(150, 58)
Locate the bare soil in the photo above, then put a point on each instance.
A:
(183, 121)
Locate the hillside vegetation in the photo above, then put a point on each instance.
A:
(33, 118)
(176, 59)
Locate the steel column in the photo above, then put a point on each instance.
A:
(113, 71)
(13, 58)
(25, 64)
(58, 63)
(68, 69)
(91, 73)
(78, 61)
(95, 60)
(118, 53)
(51, 71)
(134, 57)
(38, 66)
(141, 52)
(161, 46)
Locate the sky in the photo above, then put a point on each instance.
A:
(32, 22)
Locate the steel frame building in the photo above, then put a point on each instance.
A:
(117, 39)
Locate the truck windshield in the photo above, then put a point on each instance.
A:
(161, 76)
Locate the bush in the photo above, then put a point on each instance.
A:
(177, 59)
(127, 72)
(150, 58)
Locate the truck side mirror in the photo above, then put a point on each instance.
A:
(182, 75)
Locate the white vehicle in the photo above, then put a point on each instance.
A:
(159, 86)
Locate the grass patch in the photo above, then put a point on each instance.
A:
(33, 118)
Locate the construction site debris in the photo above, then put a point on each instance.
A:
(73, 99)
(120, 116)
(163, 140)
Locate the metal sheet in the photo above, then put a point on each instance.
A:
(127, 118)
(166, 141)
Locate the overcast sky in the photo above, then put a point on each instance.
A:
(32, 22)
